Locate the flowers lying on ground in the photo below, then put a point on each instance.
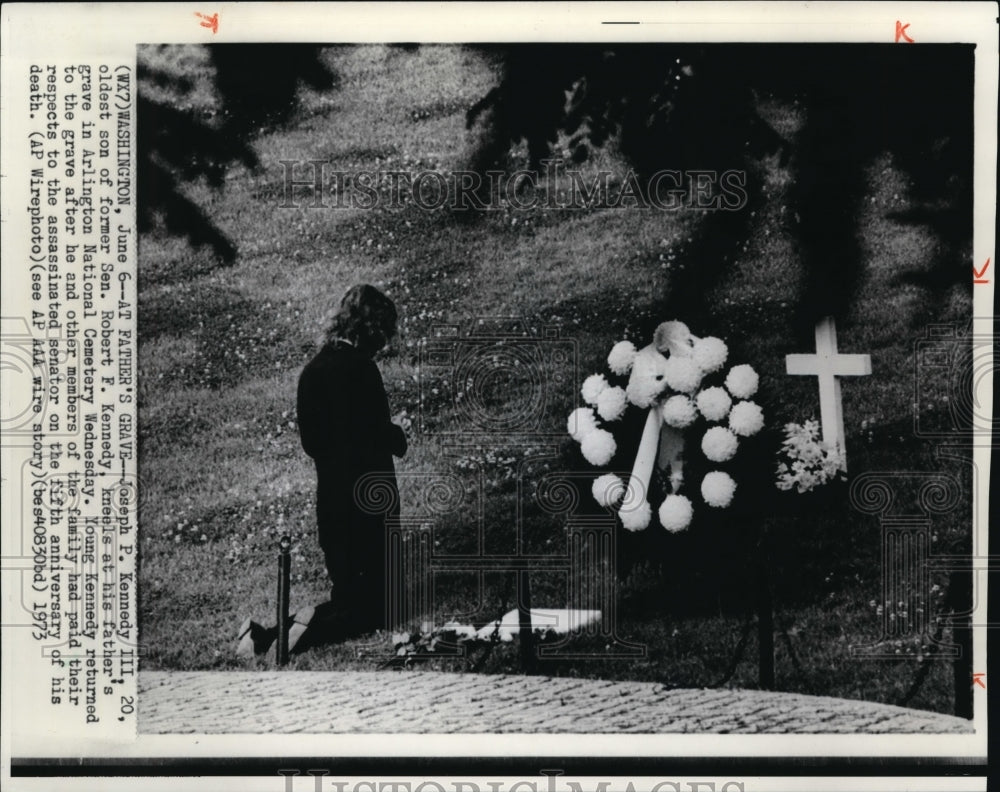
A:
(429, 640)
(805, 462)
(455, 640)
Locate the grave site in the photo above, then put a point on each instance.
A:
(704, 466)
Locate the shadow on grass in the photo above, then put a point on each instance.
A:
(170, 264)
(235, 338)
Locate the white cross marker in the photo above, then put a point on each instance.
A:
(829, 365)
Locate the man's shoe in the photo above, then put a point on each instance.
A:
(300, 626)
(245, 638)
(254, 639)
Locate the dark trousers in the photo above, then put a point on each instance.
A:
(357, 575)
(354, 548)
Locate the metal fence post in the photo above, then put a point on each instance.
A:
(525, 631)
(284, 570)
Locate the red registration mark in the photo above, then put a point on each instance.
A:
(978, 274)
(211, 22)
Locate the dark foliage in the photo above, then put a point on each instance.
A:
(176, 146)
(917, 105)
(257, 85)
(685, 107)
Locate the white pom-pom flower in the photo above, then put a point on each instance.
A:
(593, 387)
(611, 404)
(682, 374)
(676, 513)
(746, 418)
(718, 488)
(636, 518)
(742, 381)
(710, 354)
(580, 423)
(714, 403)
(598, 447)
(608, 489)
(678, 411)
(719, 444)
(646, 382)
(621, 356)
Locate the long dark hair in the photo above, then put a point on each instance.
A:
(366, 318)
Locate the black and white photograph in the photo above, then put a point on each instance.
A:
(507, 392)
(574, 378)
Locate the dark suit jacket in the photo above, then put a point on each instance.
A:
(344, 425)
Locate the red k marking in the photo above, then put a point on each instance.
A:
(212, 22)
(901, 32)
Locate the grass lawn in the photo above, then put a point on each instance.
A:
(221, 348)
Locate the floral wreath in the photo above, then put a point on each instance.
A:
(678, 379)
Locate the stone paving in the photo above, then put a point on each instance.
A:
(433, 702)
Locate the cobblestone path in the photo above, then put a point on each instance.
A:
(435, 702)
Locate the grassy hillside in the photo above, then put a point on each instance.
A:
(221, 349)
